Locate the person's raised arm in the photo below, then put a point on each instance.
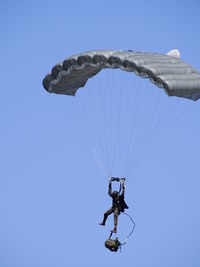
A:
(123, 189)
(120, 188)
(110, 189)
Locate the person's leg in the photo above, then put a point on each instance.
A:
(106, 214)
(116, 214)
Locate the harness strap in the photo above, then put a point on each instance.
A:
(131, 230)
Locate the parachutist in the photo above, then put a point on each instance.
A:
(118, 204)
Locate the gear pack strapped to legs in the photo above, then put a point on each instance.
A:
(115, 244)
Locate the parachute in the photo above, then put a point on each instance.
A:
(165, 71)
(126, 129)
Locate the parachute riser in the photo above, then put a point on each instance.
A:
(116, 179)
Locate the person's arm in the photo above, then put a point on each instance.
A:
(123, 190)
(120, 188)
(110, 189)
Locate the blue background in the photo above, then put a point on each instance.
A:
(52, 193)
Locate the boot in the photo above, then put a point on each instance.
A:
(114, 229)
(104, 220)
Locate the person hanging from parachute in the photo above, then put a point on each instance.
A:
(118, 202)
(118, 205)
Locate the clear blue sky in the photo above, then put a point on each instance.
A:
(52, 192)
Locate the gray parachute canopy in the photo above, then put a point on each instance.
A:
(165, 71)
